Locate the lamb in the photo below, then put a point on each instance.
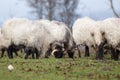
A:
(87, 34)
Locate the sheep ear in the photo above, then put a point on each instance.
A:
(51, 44)
(103, 33)
(92, 34)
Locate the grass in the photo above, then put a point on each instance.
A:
(60, 69)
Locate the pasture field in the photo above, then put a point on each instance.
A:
(60, 69)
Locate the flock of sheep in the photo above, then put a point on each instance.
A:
(45, 37)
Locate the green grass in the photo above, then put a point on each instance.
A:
(60, 69)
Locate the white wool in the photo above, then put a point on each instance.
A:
(98, 38)
(83, 29)
(59, 31)
(54, 29)
(3, 42)
(30, 33)
(15, 30)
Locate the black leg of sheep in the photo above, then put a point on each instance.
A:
(12, 49)
(116, 57)
(37, 53)
(87, 54)
(15, 51)
(114, 54)
(33, 57)
(26, 53)
(9, 51)
(100, 51)
(3, 51)
(117, 54)
(29, 51)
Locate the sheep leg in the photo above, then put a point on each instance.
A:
(32, 52)
(26, 56)
(37, 54)
(70, 54)
(33, 55)
(3, 51)
(29, 51)
(47, 53)
(79, 53)
(115, 54)
(15, 51)
(87, 54)
(100, 51)
(26, 53)
(9, 51)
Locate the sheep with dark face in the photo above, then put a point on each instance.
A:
(110, 31)
(31, 34)
(61, 34)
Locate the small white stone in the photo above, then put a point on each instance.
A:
(10, 67)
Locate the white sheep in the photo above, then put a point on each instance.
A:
(86, 33)
(28, 33)
(111, 29)
(16, 32)
(61, 33)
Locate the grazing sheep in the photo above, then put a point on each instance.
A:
(87, 34)
(65, 36)
(110, 31)
(61, 33)
(31, 34)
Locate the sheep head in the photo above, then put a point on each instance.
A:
(57, 49)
